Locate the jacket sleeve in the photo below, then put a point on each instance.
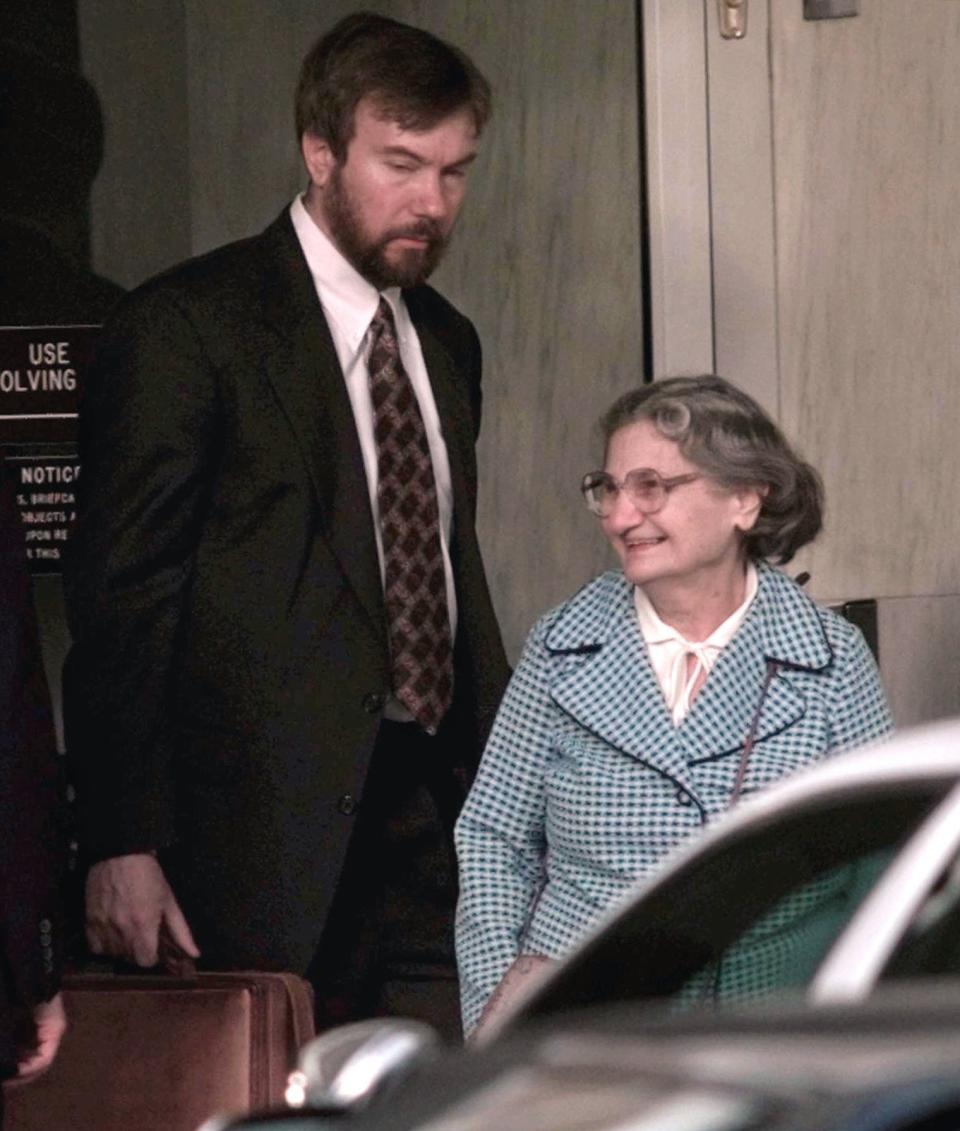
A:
(31, 798)
(859, 713)
(148, 445)
(500, 835)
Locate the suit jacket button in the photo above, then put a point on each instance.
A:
(347, 804)
(373, 703)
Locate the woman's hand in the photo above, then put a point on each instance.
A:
(526, 972)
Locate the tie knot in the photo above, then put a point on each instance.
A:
(383, 357)
(383, 318)
(383, 346)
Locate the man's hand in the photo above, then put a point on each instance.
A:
(525, 972)
(51, 1022)
(129, 905)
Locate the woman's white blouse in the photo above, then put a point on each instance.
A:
(668, 650)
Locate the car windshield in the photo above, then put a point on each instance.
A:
(754, 915)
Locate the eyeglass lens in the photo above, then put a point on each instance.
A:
(644, 488)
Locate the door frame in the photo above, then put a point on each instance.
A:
(709, 169)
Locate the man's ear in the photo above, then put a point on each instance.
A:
(318, 158)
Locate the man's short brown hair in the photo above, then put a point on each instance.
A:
(416, 78)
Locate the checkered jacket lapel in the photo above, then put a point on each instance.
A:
(610, 687)
(782, 626)
(613, 691)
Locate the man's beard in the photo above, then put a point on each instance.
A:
(408, 269)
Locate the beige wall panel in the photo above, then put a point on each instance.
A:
(918, 657)
(547, 265)
(140, 214)
(546, 260)
(243, 61)
(867, 160)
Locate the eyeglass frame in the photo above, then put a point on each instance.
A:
(664, 485)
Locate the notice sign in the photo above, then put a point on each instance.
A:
(46, 496)
(41, 374)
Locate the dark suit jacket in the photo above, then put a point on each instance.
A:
(230, 660)
(31, 818)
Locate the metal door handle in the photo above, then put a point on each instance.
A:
(733, 18)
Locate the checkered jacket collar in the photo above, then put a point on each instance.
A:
(611, 688)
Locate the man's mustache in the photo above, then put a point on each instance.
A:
(428, 230)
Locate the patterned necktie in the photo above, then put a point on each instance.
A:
(415, 591)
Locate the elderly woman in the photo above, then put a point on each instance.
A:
(662, 691)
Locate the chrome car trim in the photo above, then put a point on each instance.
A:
(344, 1068)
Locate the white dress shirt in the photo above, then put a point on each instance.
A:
(668, 650)
(349, 303)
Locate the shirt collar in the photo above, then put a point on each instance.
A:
(346, 295)
(656, 632)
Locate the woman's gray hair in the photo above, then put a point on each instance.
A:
(726, 434)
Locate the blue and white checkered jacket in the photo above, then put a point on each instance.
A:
(586, 784)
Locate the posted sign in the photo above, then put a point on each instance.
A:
(41, 372)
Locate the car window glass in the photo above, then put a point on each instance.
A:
(785, 946)
(930, 947)
(753, 915)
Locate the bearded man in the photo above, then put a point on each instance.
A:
(285, 654)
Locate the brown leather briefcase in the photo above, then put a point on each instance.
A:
(155, 1053)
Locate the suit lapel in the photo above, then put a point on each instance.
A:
(304, 371)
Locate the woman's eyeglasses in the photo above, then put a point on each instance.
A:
(645, 488)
